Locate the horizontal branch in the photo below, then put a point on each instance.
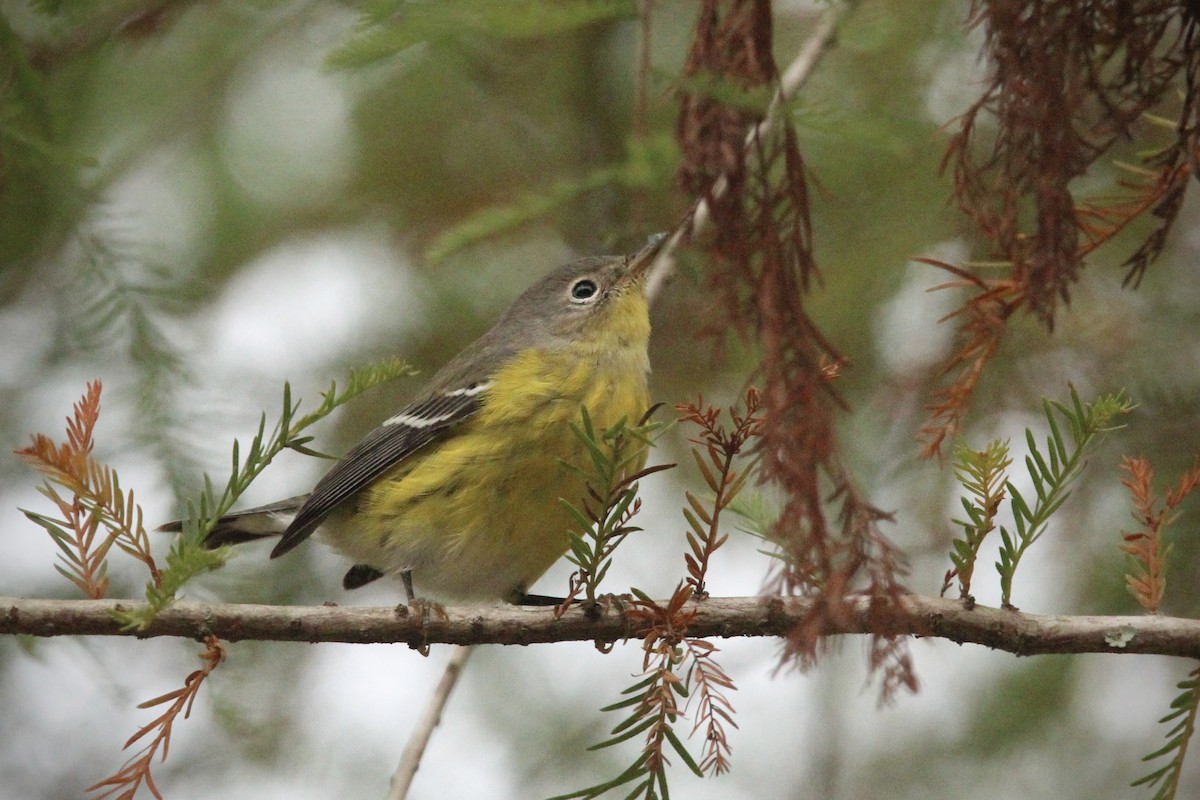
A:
(1011, 631)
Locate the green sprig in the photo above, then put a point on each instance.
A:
(648, 160)
(982, 474)
(652, 710)
(612, 478)
(1052, 473)
(388, 28)
(1183, 715)
(188, 556)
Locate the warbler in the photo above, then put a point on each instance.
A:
(459, 493)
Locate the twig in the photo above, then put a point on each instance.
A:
(793, 78)
(1011, 631)
(410, 759)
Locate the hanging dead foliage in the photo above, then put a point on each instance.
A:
(752, 176)
(1068, 81)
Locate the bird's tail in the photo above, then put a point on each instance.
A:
(248, 525)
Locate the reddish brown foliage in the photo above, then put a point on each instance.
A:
(720, 448)
(732, 42)
(713, 710)
(97, 502)
(1162, 186)
(985, 319)
(70, 465)
(753, 180)
(666, 649)
(136, 770)
(1147, 579)
(662, 629)
(1069, 80)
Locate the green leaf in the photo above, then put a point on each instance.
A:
(678, 747)
(1036, 467)
(645, 598)
(439, 25)
(1057, 444)
(583, 520)
(1153, 777)
(579, 548)
(633, 772)
(642, 684)
(1021, 510)
(629, 732)
(626, 703)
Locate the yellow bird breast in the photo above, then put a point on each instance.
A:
(479, 515)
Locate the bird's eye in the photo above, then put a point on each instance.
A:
(583, 290)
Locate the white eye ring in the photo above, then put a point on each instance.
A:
(584, 290)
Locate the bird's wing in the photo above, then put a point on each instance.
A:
(385, 447)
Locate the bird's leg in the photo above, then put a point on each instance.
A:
(523, 599)
(420, 605)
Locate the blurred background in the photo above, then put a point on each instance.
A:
(202, 200)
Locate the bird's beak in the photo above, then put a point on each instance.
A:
(640, 262)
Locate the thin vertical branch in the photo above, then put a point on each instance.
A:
(698, 219)
(410, 759)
